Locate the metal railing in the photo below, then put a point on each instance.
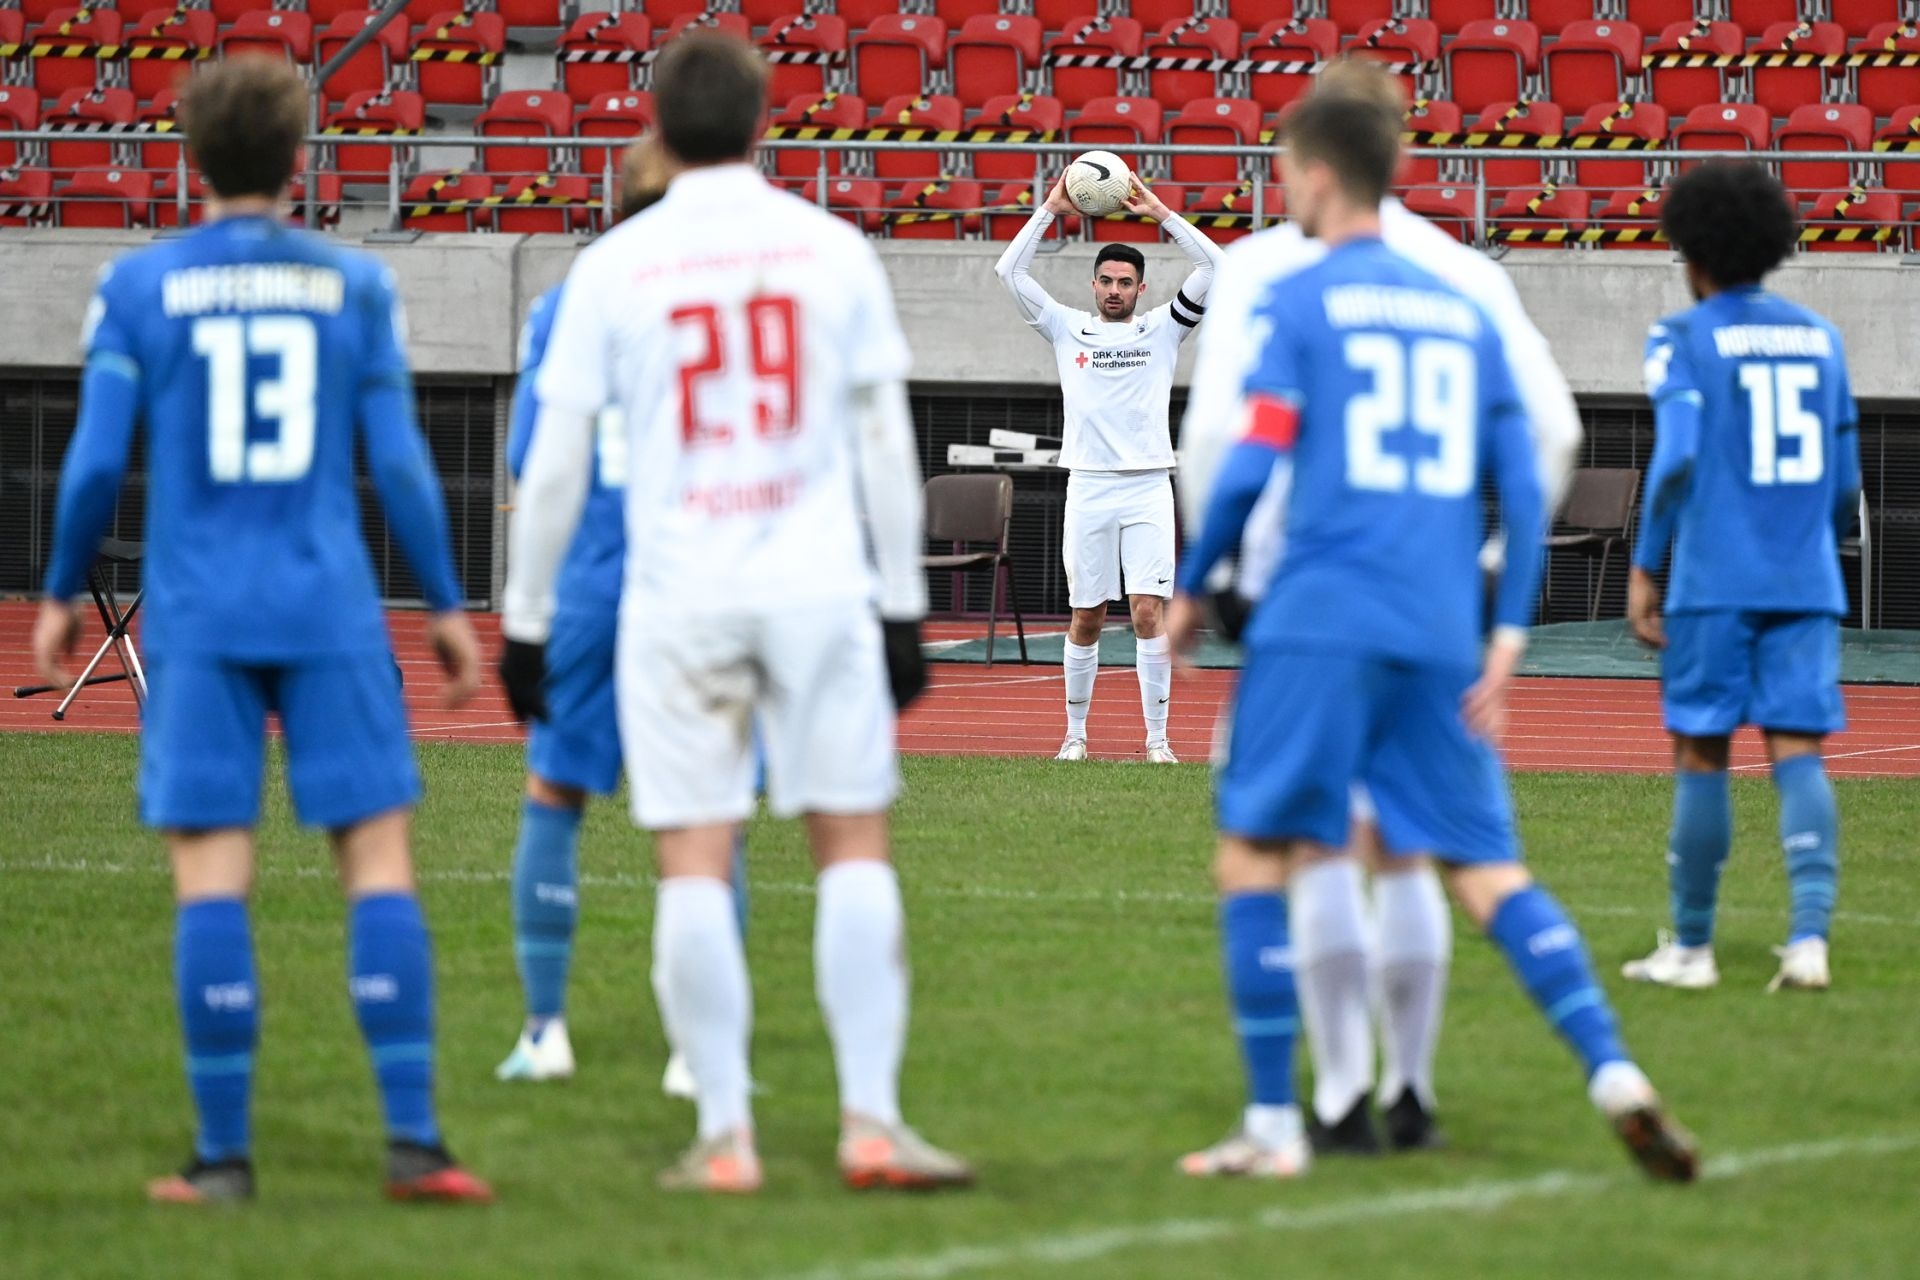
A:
(1257, 200)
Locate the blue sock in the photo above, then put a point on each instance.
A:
(220, 1016)
(390, 969)
(1266, 1009)
(1809, 835)
(1697, 850)
(740, 879)
(1548, 957)
(545, 903)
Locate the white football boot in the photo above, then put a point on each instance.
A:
(1241, 1155)
(1672, 965)
(546, 1056)
(1073, 749)
(1161, 753)
(1803, 966)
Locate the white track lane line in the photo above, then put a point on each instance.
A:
(1070, 1247)
(1837, 755)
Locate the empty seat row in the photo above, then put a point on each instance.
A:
(111, 196)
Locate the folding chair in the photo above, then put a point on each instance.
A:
(976, 508)
(1859, 546)
(1598, 511)
(118, 642)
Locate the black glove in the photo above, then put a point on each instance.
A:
(1232, 611)
(906, 664)
(523, 670)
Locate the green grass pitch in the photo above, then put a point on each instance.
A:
(1068, 1033)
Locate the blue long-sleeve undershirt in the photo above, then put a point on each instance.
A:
(1242, 477)
(95, 464)
(1676, 441)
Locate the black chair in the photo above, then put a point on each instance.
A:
(113, 551)
(1597, 515)
(968, 509)
(1860, 547)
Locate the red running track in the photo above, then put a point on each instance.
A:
(1011, 710)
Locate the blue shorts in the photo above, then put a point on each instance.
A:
(1308, 725)
(578, 744)
(1724, 668)
(203, 735)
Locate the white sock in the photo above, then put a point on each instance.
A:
(1272, 1126)
(663, 1000)
(1328, 915)
(860, 971)
(1082, 664)
(1414, 943)
(696, 947)
(1153, 663)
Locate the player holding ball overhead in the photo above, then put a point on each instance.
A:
(1116, 373)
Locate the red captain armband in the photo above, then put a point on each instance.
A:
(1272, 422)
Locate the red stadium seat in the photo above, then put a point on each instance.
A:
(1451, 16)
(898, 55)
(1531, 218)
(1124, 228)
(1190, 37)
(1853, 221)
(38, 11)
(1758, 15)
(526, 114)
(1016, 112)
(942, 113)
(100, 115)
(1061, 15)
(369, 70)
(623, 116)
(1900, 135)
(1351, 16)
(1117, 123)
(1723, 126)
(862, 13)
(1884, 90)
(1402, 40)
(1658, 15)
(1630, 122)
(529, 13)
(19, 113)
(382, 113)
(1631, 219)
(1225, 213)
(269, 35)
(167, 210)
(1213, 122)
(813, 116)
(1490, 62)
(802, 49)
(1427, 117)
(81, 30)
(13, 30)
(957, 13)
(105, 198)
(1859, 17)
(1781, 89)
(1448, 207)
(600, 54)
(663, 13)
(1558, 15)
(450, 201)
(26, 197)
(546, 203)
(1591, 62)
(764, 13)
(323, 12)
(159, 119)
(163, 46)
(229, 12)
(945, 209)
(994, 55)
(1681, 89)
(1010, 208)
(1293, 47)
(1094, 38)
(858, 200)
(1519, 120)
(456, 55)
(1822, 126)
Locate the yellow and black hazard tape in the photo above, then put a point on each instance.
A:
(71, 49)
(918, 212)
(1899, 146)
(472, 57)
(93, 126)
(1230, 211)
(606, 55)
(1781, 58)
(1845, 235)
(169, 52)
(1513, 141)
(898, 133)
(1236, 66)
(534, 195)
(1568, 236)
(10, 48)
(367, 131)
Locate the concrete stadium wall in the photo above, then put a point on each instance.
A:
(466, 294)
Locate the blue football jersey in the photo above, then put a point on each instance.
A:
(590, 574)
(1756, 460)
(256, 356)
(1404, 400)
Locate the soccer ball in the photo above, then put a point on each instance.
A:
(1098, 183)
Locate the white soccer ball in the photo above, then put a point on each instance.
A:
(1098, 183)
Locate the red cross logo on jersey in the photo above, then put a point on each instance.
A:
(1081, 359)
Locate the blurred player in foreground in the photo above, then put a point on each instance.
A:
(1116, 373)
(1407, 951)
(1755, 477)
(751, 342)
(573, 741)
(1362, 655)
(257, 356)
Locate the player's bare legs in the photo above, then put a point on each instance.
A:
(1153, 664)
(1081, 662)
(1412, 947)
(860, 971)
(1809, 828)
(701, 965)
(1697, 849)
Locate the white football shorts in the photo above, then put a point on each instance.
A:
(1118, 533)
(815, 682)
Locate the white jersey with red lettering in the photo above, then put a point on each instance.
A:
(733, 324)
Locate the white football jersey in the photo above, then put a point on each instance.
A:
(1115, 379)
(732, 323)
